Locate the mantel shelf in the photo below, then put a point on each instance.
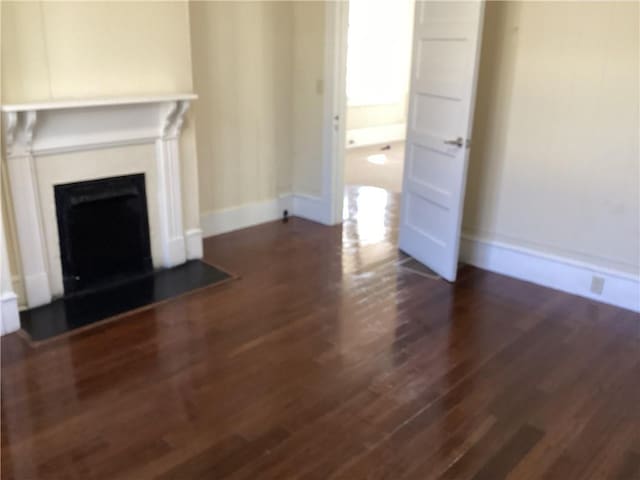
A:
(96, 102)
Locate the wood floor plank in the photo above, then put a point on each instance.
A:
(328, 360)
(499, 466)
(630, 468)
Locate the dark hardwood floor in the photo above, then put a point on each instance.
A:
(327, 359)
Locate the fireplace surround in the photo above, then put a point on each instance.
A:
(65, 142)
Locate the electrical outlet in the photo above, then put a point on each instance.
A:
(597, 285)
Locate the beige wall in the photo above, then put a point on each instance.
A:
(87, 49)
(55, 50)
(258, 68)
(308, 88)
(555, 162)
(242, 72)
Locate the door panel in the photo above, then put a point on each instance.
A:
(446, 48)
(436, 115)
(446, 61)
(429, 171)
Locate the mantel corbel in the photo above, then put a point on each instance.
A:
(174, 119)
(10, 124)
(19, 132)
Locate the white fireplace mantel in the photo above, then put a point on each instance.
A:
(34, 130)
(96, 102)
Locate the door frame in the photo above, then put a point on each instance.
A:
(335, 106)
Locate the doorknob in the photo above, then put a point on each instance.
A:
(458, 142)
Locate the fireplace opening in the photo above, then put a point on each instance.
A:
(103, 228)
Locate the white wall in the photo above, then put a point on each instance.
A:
(56, 50)
(555, 164)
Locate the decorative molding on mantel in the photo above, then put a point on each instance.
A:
(49, 128)
(96, 102)
(38, 129)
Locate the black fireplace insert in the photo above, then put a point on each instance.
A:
(103, 228)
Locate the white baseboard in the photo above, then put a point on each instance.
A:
(235, 218)
(620, 288)
(299, 205)
(9, 314)
(312, 208)
(193, 243)
(361, 137)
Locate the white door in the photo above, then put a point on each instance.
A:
(446, 48)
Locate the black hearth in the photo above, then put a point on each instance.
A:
(103, 229)
(74, 312)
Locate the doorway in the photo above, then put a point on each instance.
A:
(378, 64)
(444, 55)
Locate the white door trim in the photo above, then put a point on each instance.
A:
(335, 106)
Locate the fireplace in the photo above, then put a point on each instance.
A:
(97, 192)
(103, 230)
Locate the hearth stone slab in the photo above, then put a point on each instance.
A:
(80, 310)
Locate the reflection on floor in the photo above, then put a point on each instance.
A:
(370, 216)
(375, 167)
(328, 360)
